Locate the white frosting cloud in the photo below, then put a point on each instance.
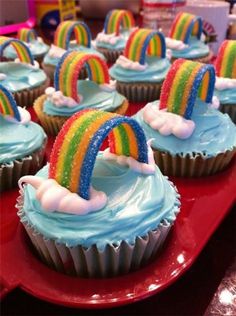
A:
(56, 52)
(167, 123)
(225, 83)
(54, 197)
(129, 64)
(2, 76)
(59, 100)
(215, 102)
(108, 87)
(175, 44)
(24, 115)
(108, 38)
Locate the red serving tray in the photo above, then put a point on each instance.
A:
(205, 202)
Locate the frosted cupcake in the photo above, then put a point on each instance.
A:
(190, 137)
(185, 39)
(63, 42)
(98, 214)
(71, 95)
(35, 43)
(22, 142)
(142, 69)
(22, 77)
(225, 87)
(118, 26)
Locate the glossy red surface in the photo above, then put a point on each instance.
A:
(205, 202)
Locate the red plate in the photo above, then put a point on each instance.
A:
(205, 202)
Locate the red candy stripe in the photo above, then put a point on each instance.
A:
(220, 57)
(129, 42)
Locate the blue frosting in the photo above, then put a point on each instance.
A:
(18, 140)
(227, 96)
(214, 133)
(196, 49)
(37, 49)
(136, 204)
(92, 97)
(53, 61)
(155, 72)
(21, 76)
(120, 44)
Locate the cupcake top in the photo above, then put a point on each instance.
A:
(71, 95)
(30, 38)
(18, 135)
(24, 72)
(144, 58)
(185, 37)
(117, 28)
(225, 65)
(89, 197)
(63, 41)
(185, 121)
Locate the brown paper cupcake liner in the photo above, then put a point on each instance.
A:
(26, 98)
(194, 166)
(229, 109)
(139, 91)
(110, 55)
(205, 59)
(50, 69)
(10, 173)
(53, 123)
(91, 262)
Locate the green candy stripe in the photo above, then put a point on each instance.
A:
(136, 43)
(124, 140)
(180, 26)
(228, 73)
(81, 32)
(4, 103)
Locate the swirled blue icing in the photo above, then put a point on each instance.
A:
(37, 49)
(214, 133)
(92, 97)
(156, 71)
(227, 96)
(18, 140)
(136, 204)
(53, 61)
(196, 49)
(20, 76)
(121, 42)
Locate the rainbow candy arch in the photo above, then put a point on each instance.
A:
(27, 35)
(116, 19)
(21, 49)
(65, 30)
(8, 106)
(225, 64)
(186, 25)
(144, 42)
(77, 144)
(185, 81)
(68, 69)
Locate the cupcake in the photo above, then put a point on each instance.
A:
(71, 95)
(185, 39)
(98, 214)
(191, 138)
(63, 42)
(22, 142)
(22, 77)
(35, 43)
(142, 69)
(118, 26)
(225, 87)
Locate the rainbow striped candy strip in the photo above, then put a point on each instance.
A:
(8, 106)
(186, 25)
(226, 60)
(21, 49)
(27, 35)
(142, 42)
(184, 82)
(65, 30)
(116, 19)
(77, 144)
(68, 69)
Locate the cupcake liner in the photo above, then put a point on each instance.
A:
(110, 55)
(25, 98)
(229, 109)
(192, 166)
(53, 123)
(91, 262)
(11, 172)
(205, 59)
(139, 91)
